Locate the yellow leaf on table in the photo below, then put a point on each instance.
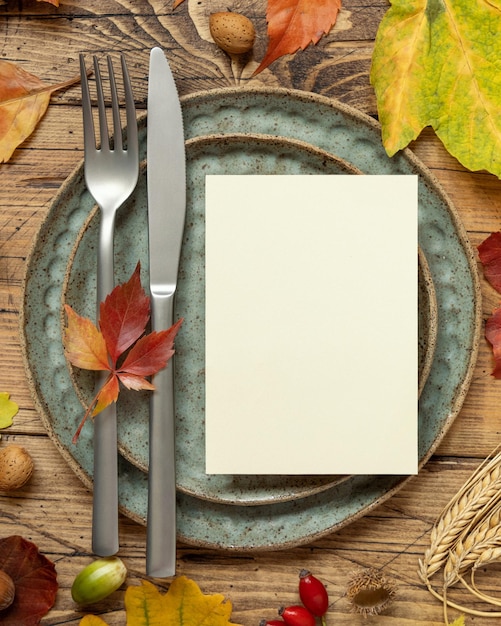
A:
(458, 622)
(92, 620)
(24, 98)
(438, 63)
(184, 604)
(8, 409)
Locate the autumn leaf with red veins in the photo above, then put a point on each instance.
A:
(489, 252)
(119, 346)
(295, 24)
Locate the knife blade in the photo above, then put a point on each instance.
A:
(166, 180)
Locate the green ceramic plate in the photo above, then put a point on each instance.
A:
(59, 251)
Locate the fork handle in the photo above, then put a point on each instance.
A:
(161, 526)
(105, 495)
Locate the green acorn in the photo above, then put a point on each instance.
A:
(98, 580)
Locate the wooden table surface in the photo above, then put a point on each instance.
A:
(54, 509)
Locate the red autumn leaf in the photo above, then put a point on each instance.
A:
(489, 252)
(123, 315)
(295, 24)
(123, 318)
(493, 336)
(35, 580)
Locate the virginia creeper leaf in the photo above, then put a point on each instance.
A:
(124, 315)
(35, 580)
(184, 604)
(295, 24)
(84, 344)
(8, 409)
(24, 98)
(438, 63)
(123, 318)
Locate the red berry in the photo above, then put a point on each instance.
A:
(297, 616)
(313, 593)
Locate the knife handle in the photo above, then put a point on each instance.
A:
(161, 524)
(105, 495)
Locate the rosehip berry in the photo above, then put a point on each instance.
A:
(313, 593)
(296, 615)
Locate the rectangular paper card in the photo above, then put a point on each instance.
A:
(311, 324)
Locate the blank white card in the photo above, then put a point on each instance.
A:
(311, 324)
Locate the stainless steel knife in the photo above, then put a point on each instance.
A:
(166, 176)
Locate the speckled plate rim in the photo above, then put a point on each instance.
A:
(431, 323)
(368, 495)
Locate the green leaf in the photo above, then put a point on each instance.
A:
(438, 63)
(7, 410)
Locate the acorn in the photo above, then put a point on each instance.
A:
(16, 467)
(98, 580)
(233, 32)
(7, 590)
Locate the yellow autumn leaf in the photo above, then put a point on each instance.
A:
(438, 63)
(458, 622)
(184, 604)
(92, 620)
(8, 409)
(24, 98)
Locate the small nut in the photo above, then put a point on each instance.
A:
(98, 580)
(7, 590)
(233, 32)
(16, 467)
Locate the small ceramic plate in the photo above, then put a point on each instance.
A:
(427, 321)
(339, 130)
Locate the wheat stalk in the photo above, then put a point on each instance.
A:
(463, 512)
(473, 545)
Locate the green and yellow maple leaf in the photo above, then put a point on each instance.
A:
(8, 410)
(438, 63)
(184, 604)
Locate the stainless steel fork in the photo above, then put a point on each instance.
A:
(111, 174)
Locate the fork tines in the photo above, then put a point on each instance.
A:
(104, 137)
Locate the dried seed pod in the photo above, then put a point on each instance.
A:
(370, 592)
(16, 467)
(233, 32)
(7, 590)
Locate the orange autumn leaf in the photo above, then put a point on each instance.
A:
(295, 24)
(177, 3)
(184, 604)
(119, 346)
(54, 2)
(24, 98)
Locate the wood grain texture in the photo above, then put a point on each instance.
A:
(54, 509)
